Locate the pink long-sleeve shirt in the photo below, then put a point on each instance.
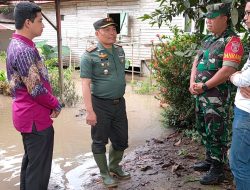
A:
(33, 101)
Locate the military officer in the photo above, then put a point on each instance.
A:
(218, 58)
(103, 87)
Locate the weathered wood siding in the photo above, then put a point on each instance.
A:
(78, 32)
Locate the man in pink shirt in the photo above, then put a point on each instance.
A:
(33, 103)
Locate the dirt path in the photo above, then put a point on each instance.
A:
(163, 164)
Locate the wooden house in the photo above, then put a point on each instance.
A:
(78, 16)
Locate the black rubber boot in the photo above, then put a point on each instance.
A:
(205, 164)
(215, 175)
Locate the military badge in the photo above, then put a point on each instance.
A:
(235, 47)
(103, 55)
(109, 19)
(106, 71)
(233, 50)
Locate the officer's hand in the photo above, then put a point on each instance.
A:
(191, 89)
(245, 92)
(91, 118)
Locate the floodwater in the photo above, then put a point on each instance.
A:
(73, 161)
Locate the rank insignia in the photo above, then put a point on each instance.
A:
(103, 55)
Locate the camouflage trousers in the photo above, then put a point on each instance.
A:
(212, 115)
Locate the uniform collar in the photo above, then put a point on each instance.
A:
(24, 39)
(102, 48)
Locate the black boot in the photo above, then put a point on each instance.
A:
(203, 165)
(215, 175)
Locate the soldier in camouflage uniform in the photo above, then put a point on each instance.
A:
(218, 58)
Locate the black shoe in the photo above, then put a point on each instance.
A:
(202, 166)
(214, 176)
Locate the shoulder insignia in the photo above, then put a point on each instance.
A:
(92, 48)
(233, 50)
(117, 45)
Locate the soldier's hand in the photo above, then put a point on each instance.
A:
(245, 92)
(91, 118)
(198, 88)
(191, 88)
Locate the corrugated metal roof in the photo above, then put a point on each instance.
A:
(5, 2)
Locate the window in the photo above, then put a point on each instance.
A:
(121, 19)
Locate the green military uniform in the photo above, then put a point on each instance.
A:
(212, 106)
(106, 69)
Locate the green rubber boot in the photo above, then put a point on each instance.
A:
(101, 162)
(115, 157)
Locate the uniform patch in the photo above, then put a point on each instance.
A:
(235, 47)
(233, 50)
(117, 45)
(90, 49)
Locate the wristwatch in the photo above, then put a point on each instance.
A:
(204, 87)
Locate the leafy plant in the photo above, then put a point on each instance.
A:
(6, 10)
(4, 85)
(49, 51)
(193, 134)
(183, 152)
(144, 87)
(127, 63)
(171, 68)
(70, 95)
(194, 10)
(49, 54)
(2, 56)
(2, 76)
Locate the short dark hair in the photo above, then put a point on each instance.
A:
(23, 11)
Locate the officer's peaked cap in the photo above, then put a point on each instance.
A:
(102, 23)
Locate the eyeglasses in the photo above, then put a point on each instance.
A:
(247, 13)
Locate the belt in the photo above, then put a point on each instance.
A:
(112, 101)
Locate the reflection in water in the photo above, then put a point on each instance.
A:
(73, 164)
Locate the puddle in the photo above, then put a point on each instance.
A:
(72, 161)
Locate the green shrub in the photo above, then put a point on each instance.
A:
(4, 85)
(192, 134)
(49, 54)
(70, 96)
(171, 68)
(2, 56)
(3, 76)
(144, 87)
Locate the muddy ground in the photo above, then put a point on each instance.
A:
(163, 164)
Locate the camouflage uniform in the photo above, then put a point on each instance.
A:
(212, 106)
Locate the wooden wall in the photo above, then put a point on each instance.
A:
(78, 31)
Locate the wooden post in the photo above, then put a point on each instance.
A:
(59, 45)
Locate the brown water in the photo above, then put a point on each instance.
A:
(73, 161)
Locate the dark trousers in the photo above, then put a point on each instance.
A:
(112, 123)
(37, 159)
